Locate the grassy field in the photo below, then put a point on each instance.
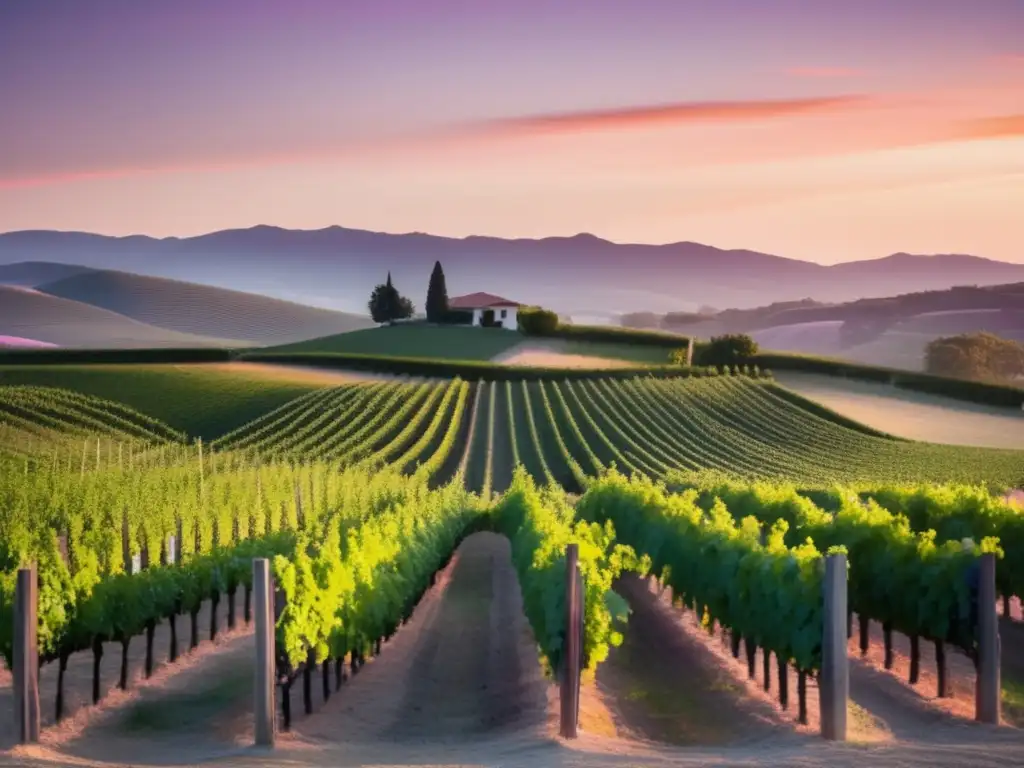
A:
(559, 428)
(415, 340)
(633, 353)
(202, 401)
(573, 353)
(912, 415)
(564, 430)
(481, 344)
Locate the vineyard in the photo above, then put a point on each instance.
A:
(566, 431)
(727, 489)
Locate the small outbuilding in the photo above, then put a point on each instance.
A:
(489, 311)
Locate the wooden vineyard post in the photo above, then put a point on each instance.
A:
(571, 658)
(265, 667)
(834, 685)
(689, 352)
(26, 657)
(987, 705)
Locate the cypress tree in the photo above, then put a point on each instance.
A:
(390, 299)
(437, 296)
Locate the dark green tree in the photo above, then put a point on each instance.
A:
(387, 304)
(437, 296)
(536, 321)
(731, 349)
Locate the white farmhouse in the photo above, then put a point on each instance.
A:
(488, 310)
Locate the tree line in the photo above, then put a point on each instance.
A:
(387, 304)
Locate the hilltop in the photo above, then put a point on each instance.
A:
(583, 276)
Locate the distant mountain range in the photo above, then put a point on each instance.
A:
(583, 276)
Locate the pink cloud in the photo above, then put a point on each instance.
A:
(1001, 126)
(682, 112)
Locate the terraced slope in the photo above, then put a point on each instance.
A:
(204, 401)
(203, 310)
(29, 314)
(567, 431)
(35, 420)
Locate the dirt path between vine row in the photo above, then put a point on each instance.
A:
(666, 683)
(460, 685)
(78, 708)
(463, 669)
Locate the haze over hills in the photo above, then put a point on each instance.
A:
(582, 276)
(204, 310)
(100, 308)
(29, 314)
(891, 331)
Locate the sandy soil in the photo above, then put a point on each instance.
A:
(552, 354)
(304, 374)
(912, 415)
(78, 709)
(460, 685)
(670, 683)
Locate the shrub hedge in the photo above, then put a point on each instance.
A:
(470, 369)
(114, 356)
(960, 389)
(616, 335)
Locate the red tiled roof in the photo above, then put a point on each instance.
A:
(480, 301)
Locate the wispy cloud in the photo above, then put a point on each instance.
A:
(824, 73)
(1001, 126)
(682, 112)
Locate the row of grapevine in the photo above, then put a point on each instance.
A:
(191, 535)
(901, 578)
(346, 586)
(449, 441)
(571, 475)
(745, 427)
(765, 592)
(476, 464)
(540, 524)
(76, 414)
(954, 512)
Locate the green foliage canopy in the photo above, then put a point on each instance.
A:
(978, 356)
(730, 349)
(387, 304)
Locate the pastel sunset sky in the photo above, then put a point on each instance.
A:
(828, 130)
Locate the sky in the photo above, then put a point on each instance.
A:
(826, 131)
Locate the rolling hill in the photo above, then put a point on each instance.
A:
(26, 313)
(581, 275)
(891, 331)
(202, 310)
